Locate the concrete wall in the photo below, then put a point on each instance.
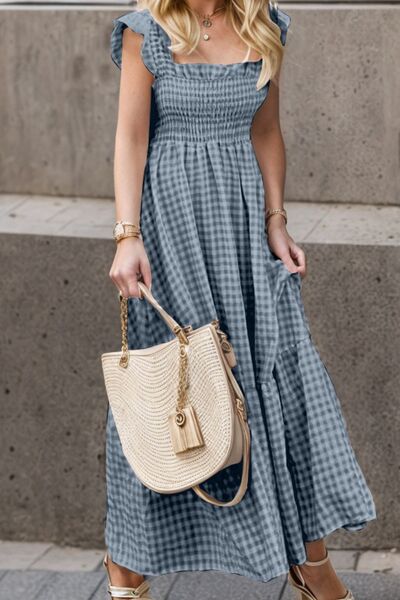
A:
(340, 91)
(59, 313)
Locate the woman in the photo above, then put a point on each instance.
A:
(200, 169)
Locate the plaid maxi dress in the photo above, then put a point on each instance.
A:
(202, 219)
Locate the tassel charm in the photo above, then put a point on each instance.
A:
(185, 429)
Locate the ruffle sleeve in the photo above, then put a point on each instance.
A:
(140, 22)
(281, 19)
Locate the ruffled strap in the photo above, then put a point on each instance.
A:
(141, 22)
(280, 18)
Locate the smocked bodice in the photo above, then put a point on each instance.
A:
(211, 107)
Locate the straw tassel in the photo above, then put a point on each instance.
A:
(185, 430)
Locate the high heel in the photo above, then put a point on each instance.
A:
(297, 581)
(126, 592)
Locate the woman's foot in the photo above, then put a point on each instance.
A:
(323, 581)
(318, 574)
(121, 576)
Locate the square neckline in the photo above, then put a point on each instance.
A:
(208, 64)
(198, 64)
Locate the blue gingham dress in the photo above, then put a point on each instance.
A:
(202, 219)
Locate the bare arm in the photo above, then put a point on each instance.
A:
(131, 144)
(270, 152)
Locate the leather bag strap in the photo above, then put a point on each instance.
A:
(245, 471)
(242, 413)
(146, 293)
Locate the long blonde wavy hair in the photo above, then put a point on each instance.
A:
(249, 18)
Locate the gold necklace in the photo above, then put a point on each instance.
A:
(206, 20)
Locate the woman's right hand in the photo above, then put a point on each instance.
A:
(130, 261)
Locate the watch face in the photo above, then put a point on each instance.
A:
(118, 230)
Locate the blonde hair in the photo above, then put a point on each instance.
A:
(249, 18)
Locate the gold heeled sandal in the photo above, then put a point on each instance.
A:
(126, 592)
(296, 580)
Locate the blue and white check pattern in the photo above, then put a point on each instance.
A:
(202, 220)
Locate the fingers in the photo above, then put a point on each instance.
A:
(299, 259)
(133, 288)
(122, 283)
(146, 272)
(289, 264)
(119, 282)
(126, 281)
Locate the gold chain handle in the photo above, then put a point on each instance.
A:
(177, 329)
(183, 355)
(123, 303)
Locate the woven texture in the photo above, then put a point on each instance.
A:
(144, 394)
(203, 229)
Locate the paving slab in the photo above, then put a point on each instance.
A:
(311, 222)
(343, 560)
(305, 217)
(21, 555)
(69, 586)
(214, 585)
(39, 208)
(59, 558)
(48, 585)
(9, 202)
(375, 562)
(356, 224)
(364, 586)
(209, 585)
(14, 584)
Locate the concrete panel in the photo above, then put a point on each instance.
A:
(340, 104)
(59, 313)
(340, 89)
(58, 107)
(351, 297)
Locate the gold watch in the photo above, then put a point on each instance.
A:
(124, 229)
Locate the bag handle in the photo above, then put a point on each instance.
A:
(242, 413)
(245, 467)
(177, 329)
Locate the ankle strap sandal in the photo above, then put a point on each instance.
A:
(297, 581)
(142, 591)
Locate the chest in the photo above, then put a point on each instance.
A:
(200, 94)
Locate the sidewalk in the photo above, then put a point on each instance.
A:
(310, 222)
(41, 571)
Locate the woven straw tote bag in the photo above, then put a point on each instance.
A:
(180, 414)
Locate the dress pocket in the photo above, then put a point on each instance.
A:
(293, 275)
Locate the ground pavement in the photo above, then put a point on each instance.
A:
(40, 571)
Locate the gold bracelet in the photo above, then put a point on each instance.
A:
(135, 234)
(276, 211)
(121, 228)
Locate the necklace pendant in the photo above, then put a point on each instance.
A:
(207, 22)
(206, 37)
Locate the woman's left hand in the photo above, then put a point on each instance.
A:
(284, 246)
